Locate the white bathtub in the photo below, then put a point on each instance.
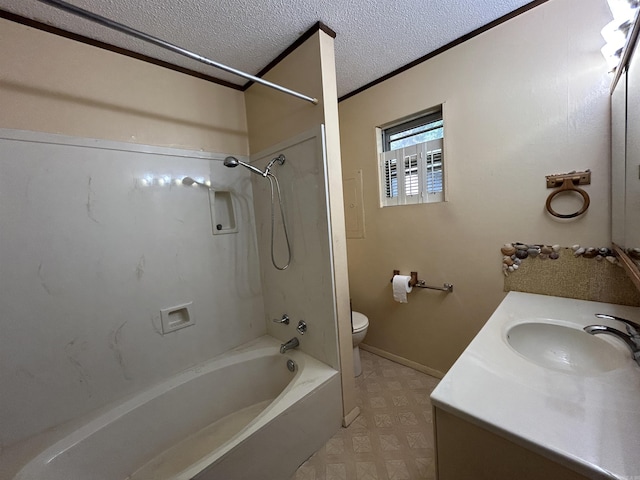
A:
(242, 415)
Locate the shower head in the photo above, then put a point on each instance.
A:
(279, 159)
(233, 162)
(188, 181)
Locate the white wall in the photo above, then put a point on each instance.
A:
(89, 255)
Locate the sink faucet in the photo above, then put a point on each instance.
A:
(293, 343)
(632, 327)
(631, 338)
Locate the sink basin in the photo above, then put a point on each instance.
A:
(566, 349)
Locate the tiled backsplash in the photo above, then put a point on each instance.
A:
(574, 277)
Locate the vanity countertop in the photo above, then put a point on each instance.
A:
(589, 422)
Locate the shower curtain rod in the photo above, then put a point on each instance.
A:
(169, 46)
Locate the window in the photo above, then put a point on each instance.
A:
(411, 163)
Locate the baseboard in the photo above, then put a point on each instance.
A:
(402, 361)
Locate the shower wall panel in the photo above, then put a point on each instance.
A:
(97, 237)
(305, 290)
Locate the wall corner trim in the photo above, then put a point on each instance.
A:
(350, 417)
(318, 26)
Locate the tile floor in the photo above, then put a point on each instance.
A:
(392, 439)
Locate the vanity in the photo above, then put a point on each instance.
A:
(536, 397)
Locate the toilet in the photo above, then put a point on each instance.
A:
(360, 323)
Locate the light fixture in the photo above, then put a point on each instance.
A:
(622, 9)
(612, 54)
(615, 32)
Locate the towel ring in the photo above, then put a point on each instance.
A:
(568, 185)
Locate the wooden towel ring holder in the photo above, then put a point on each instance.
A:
(568, 186)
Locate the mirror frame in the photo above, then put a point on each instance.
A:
(630, 267)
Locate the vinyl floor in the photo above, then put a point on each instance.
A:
(392, 439)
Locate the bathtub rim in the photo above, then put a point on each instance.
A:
(44, 447)
(315, 373)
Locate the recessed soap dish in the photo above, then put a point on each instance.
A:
(223, 218)
(175, 318)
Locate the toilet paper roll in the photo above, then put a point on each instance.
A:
(401, 287)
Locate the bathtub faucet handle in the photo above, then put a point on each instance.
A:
(302, 327)
(284, 319)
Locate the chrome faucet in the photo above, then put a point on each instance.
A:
(290, 345)
(631, 338)
(284, 319)
(635, 327)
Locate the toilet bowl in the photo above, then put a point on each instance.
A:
(360, 324)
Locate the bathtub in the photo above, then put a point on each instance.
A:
(242, 415)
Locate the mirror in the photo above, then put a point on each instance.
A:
(625, 166)
(632, 170)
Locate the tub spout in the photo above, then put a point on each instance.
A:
(290, 345)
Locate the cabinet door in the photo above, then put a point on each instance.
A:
(467, 452)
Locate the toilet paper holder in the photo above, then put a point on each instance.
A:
(414, 282)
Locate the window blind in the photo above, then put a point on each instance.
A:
(420, 178)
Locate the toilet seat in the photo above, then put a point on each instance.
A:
(360, 322)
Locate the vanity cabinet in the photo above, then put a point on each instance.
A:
(468, 452)
(556, 409)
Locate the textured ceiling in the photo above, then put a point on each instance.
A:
(374, 37)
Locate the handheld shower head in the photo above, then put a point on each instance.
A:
(233, 162)
(279, 159)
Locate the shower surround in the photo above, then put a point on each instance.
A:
(99, 237)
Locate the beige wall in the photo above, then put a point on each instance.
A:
(274, 118)
(52, 84)
(526, 99)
